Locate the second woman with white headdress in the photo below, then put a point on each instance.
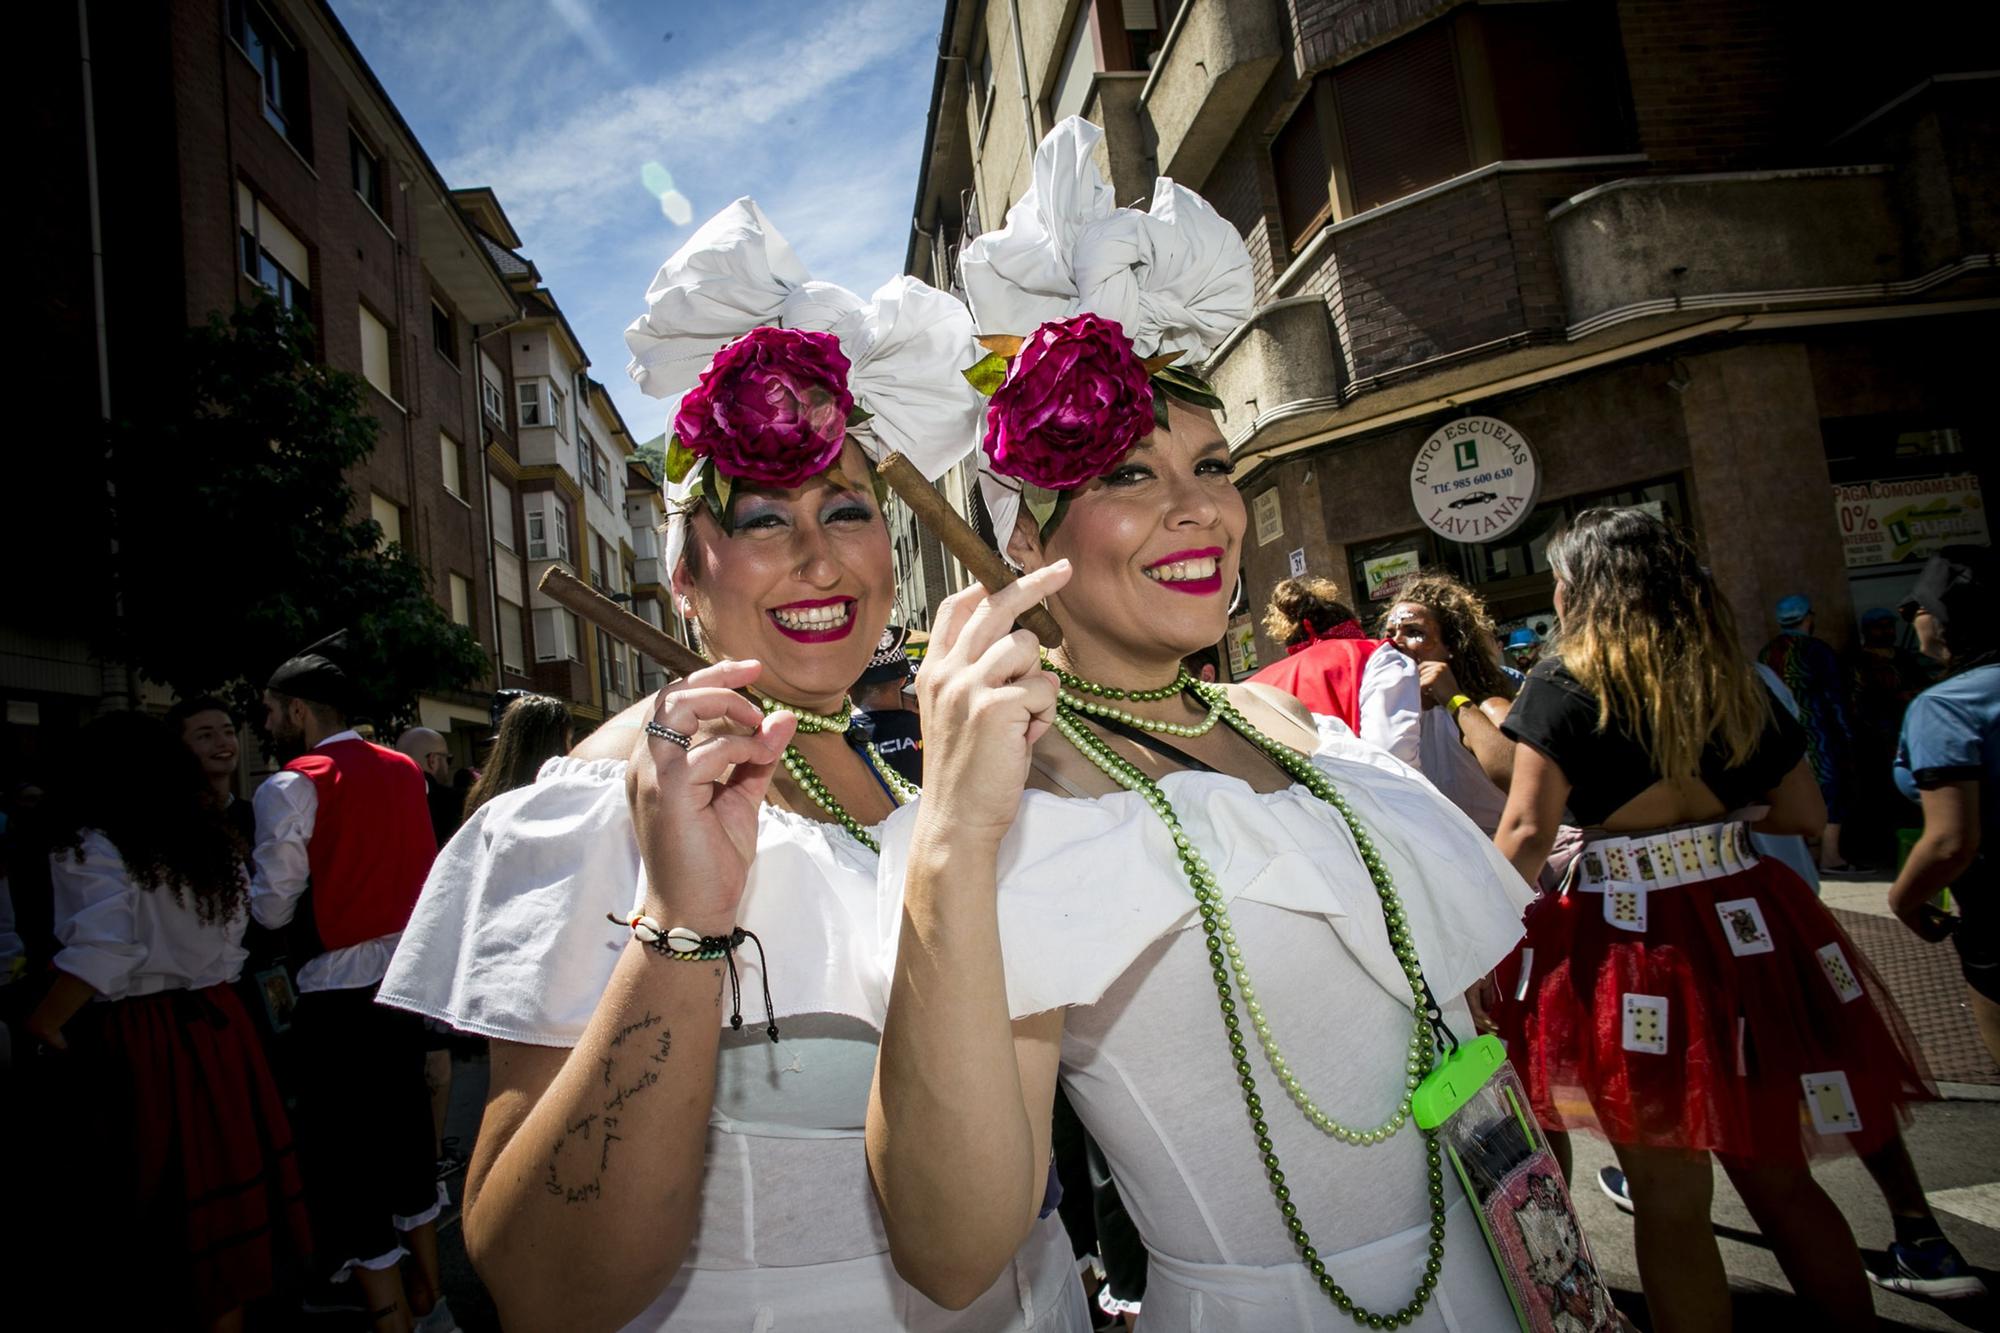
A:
(646, 1158)
(1106, 851)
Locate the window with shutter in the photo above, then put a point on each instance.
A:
(1401, 120)
(376, 363)
(1298, 160)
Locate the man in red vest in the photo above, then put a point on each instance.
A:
(345, 831)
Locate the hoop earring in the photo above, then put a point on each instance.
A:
(1239, 598)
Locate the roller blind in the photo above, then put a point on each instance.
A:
(375, 360)
(1400, 117)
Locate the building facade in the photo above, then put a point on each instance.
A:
(209, 153)
(1733, 261)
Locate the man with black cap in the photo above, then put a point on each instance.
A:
(883, 701)
(345, 829)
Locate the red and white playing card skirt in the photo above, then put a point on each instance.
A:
(1726, 1011)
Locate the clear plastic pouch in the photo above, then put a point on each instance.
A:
(1475, 1102)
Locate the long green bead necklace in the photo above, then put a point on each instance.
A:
(809, 782)
(1226, 964)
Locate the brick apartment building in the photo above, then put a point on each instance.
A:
(1736, 261)
(202, 153)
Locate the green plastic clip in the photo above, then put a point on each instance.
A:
(1453, 1083)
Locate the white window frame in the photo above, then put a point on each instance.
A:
(491, 401)
(538, 533)
(459, 590)
(561, 526)
(528, 397)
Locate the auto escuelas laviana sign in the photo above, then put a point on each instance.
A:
(1474, 480)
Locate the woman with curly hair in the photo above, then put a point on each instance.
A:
(1442, 626)
(1687, 996)
(194, 1151)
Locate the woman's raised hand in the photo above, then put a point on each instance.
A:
(986, 701)
(695, 808)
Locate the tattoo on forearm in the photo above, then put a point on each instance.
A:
(651, 1020)
(647, 1078)
(570, 1176)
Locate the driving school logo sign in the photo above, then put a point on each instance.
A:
(1474, 480)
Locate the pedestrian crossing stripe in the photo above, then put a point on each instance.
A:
(1979, 1204)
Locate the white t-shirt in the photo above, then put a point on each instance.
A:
(1455, 771)
(1096, 917)
(509, 940)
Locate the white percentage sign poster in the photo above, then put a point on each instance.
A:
(1887, 522)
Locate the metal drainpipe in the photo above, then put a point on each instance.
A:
(118, 683)
(1029, 113)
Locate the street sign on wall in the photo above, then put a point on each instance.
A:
(1474, 480)
(1888, 522)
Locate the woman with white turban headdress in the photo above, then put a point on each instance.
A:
(1104, 848)
(646, 1159)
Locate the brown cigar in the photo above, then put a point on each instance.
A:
(676, 657)
(985, 564)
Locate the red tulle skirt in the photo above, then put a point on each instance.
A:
(1754, 1030)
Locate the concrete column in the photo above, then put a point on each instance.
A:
(1763, 498)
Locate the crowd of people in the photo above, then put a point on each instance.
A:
(1053, 985)
(235, 1117)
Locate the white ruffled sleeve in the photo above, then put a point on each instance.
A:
(509, 938)
(1391, 705)
(96, 917)
(1087, 886)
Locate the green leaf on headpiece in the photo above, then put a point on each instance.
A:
(987, 374)
(723, 487)
(1159, 406)
(1188, 387)
(1040, 504)
(679, 459)
(859, 416)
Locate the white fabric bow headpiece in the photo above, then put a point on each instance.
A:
(1176, 277)
(905, 346)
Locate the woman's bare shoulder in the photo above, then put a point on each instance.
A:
(1276, 713)
(615, 739)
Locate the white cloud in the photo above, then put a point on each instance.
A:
(818, 112)
(576, 16)
(717, 122)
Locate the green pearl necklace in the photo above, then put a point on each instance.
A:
(1077, 684)
(1074, 688)
(1226, 965)
(809, 781)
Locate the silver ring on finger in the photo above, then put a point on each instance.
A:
(665, 733)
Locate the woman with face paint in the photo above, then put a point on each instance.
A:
(647, 1158)
(1442, 626)
(1107, 852)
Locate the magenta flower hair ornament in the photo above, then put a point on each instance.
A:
(776, 371)
(1091, 316)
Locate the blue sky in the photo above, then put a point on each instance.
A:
(817, 111)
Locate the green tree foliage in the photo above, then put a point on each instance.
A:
(237, 541)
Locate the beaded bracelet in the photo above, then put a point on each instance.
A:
(689, 946)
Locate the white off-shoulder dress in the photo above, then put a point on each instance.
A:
(1096, 918)
(509, 941)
